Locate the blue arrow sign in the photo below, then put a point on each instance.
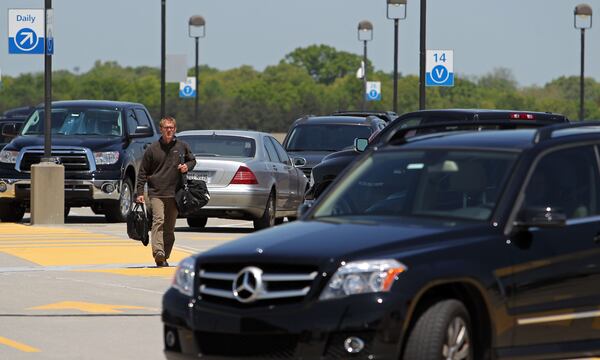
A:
(26, 31)
(26, 41)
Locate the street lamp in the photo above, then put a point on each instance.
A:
(365, 33)
(197, 29)
(582, 19)
(396, 10)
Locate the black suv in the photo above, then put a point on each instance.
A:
(326, 171)
(100, 144)
(313, 137)
(13, 120)
(457, 245)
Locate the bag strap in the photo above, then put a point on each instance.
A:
(137, 206)
(184, 179)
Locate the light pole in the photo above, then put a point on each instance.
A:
(163, 51)
(582, 19)
(197, 29)
(422, 50)
(365, 33)
(396, 10)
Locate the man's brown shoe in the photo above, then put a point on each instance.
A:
(159, 259)
(162, 264)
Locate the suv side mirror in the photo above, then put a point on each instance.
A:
(10, 129)
(142, 131)
(542, 217)
(299, 161)
(360, 144)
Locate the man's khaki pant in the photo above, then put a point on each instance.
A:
(164, 215)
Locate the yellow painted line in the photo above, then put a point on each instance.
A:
(88, 307)
(17, 345)
(162, 272)
(93, 255)
(45, 246)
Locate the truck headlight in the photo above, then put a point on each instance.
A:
(362, 277)
(8, 156)
(184, 276)
(106, 158)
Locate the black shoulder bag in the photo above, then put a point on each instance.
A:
(192, 195)
(138, 224)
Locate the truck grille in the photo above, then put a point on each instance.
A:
(257, 285)
(72, 160)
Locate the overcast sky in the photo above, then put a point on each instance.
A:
(535, 39)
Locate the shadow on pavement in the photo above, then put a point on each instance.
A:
(209, 229)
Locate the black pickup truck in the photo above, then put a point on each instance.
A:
(100, 144)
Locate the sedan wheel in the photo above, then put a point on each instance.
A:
(268, 218)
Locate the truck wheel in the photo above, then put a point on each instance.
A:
(268, 218)
(118, 210)
(11, 212)
(197, 222)
(442, 332)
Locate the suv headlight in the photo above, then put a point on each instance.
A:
(9, 157)
(106, 158)
(184, 276)
(362, 277)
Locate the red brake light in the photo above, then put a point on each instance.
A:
(244, 176)
(522, 116)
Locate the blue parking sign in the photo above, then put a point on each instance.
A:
(439, 68)
(26, 31)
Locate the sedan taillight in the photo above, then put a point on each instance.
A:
(244, 176)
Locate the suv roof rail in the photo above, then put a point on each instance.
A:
(303, 118)
(545, 133)
(399, 136)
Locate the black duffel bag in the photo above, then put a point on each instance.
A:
(138, 224)
(192, 196)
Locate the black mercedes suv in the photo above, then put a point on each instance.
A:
(457, 245)
(323, 173)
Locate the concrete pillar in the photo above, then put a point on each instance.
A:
(47, 194)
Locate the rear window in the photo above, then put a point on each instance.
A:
(325, 137)
(221, 145)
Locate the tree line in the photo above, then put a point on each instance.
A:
(317, 79)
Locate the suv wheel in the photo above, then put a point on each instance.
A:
(268, 218)
(197, 222)
(118, 210)
(442, 332)
(11, 212)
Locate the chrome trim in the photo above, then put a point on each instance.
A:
(57, 150)
(283, 294)
(216, 275)
(290, 277)
(563, 317)
(216, 292)
(95, 185)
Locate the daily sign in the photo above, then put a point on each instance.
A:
(439, 68)
(26, 31)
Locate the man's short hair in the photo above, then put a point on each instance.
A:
(167, 119)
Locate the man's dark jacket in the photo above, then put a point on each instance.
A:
(159, 168)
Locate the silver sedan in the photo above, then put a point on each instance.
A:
(248, 174)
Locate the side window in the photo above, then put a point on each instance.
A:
(566, 180)
(142, 118)
(283, 156)
(132, 122)
(270, 150)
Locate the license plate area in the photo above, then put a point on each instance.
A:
(199, 175)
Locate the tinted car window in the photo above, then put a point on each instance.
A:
(142, 117)
(132, 122)
(77, 121)
(325, 137)
(217, 145)
(271, 152)
(436, 184)
(281, 153)
(566, 180)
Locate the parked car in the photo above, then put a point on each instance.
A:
(459, 245)
(13, 119)
(324, 173)
(99, 143)
(313, 137)
(248, 174)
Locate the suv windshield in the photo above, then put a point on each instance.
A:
(77, 121)
(329, 137)
(430, 183)
(217, 145)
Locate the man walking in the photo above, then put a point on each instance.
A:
(161, 169)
